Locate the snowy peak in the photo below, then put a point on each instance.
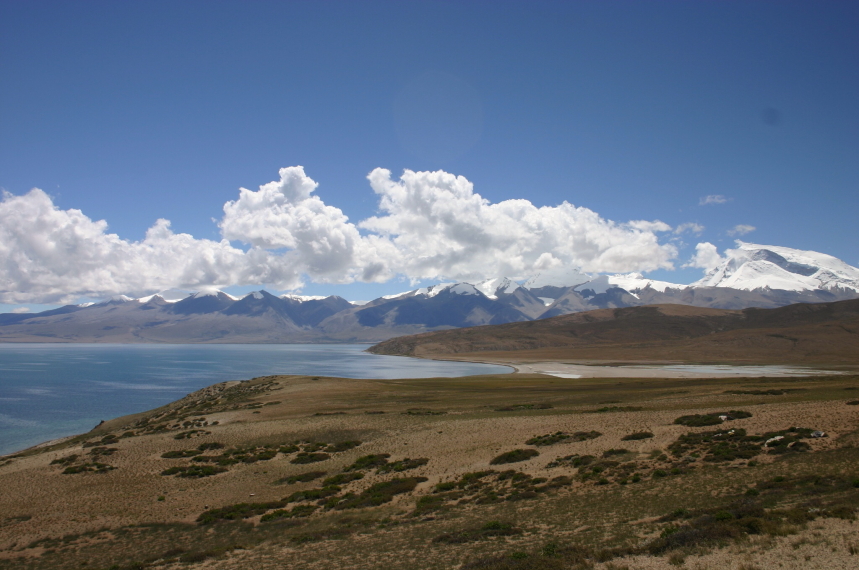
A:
(303, 298)
(492, 288)
(752, 266)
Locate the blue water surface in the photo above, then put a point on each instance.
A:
(55, 390)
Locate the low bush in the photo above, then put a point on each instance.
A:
(180, 453)
(712, 419)
(342, 446)
(304, 458)
(562, 437)
(238, 511)
(380, 493)
(88, 468)
(488, 530)
(301, 477)
(343, 478)
(637, 436)
(613, 452)
(194, 471)
(296, 511)
(514, 456)
(519, 407)
(313, 494)
(369, 462)
(402, 465)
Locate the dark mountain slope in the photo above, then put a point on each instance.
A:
(804, 333)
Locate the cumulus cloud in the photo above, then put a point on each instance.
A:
(442, 228)
(324, 244)
(706, 257)
(50, 255)
(712, 199)
(690, 227)
(21, 310)
(430, 225)
(741, 230)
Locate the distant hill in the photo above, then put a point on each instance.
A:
(823, 334)
(749, 276)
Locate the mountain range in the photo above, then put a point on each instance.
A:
(750, 276)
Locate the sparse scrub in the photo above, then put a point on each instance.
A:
(402, 465)
(301, 477)
(637, 436)
(488, 530)
(562, 437)
(520, 407)
(368, 462)
(343, 478)
(238, 511)
(342, 446)
(380, 493)
(304, 458)
(514, 456)
(712, 419)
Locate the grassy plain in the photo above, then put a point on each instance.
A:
(315, 472)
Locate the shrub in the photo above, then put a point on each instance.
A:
(380, 493)
(514, 456)
(637, 435)
(490, 529)
(518, 407)
(342, 446)
(194, 471)
(613, 452)
(296, 511)
(88, 468)
(402, 465)
(301, 477)
(304, 458)
(343, 478)
(313, 494)
(180, 453)
(712, 419)
(561, 437)
(368, 462)
(238, 511)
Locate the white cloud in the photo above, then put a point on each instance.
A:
(690, 227)
(324, 244)
(50, 255)
(741, 230)
(712, 199)
(443, 229)
(21, 310)
(706, 257)
(430, 225)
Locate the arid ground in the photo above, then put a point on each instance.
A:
(515, 471)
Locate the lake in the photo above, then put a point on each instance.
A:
(49, 391)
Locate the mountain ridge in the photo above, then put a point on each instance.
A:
(214, 316)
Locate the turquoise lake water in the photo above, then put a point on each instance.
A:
(49, 391)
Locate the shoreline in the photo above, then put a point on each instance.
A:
(574, 370)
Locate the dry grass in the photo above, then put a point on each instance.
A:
(420, 488)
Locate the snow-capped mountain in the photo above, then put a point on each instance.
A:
(750, 276)
(750, 267)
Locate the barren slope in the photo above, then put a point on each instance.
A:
(824, 333)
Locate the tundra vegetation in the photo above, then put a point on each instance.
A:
(455, 472)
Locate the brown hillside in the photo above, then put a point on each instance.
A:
(824, 333)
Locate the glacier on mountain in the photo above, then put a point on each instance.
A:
(751, 266)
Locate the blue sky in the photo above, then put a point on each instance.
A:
(135, 112)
